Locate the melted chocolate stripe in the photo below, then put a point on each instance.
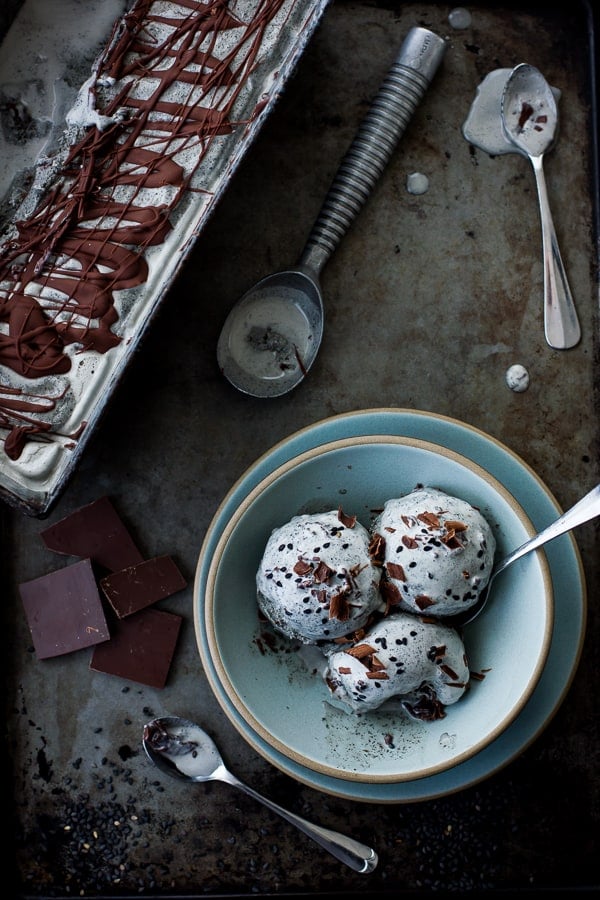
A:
(83, 243)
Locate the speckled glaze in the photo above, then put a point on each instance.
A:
(419, 660)
(439, 551)
(313, 566)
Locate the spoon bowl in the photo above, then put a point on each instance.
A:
(271, 337)
(530, 120)
(585, 509)
(183, 750)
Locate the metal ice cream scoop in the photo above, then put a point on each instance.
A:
(530, 120)
(184, 750)
(272, 335)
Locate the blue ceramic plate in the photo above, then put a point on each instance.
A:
(281, 694)
(563, 559)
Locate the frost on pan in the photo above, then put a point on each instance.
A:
(146, 144)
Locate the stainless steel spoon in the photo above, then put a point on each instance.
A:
(585, 509)
(183, 750)
(272, 335)
(530, 120)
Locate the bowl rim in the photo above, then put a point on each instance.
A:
(207, 608)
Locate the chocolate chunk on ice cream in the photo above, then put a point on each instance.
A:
(437, 552)
(316, 580)
(421, 661)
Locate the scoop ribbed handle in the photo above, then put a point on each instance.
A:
(398, 97)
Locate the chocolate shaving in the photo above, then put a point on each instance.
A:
(423, 601)
(339, 607)
(396, 571)
(477, 676)
(302, 567)
(429, 519)
(377, 549)
(323, 572)
(427, 708)
(449, 538)
(360, 651)
(453, 525)
(449, 671)
(347, 521)
(437, 653)
(409, 542)
(376, 664)
(390, 594)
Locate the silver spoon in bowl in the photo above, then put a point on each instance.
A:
(530, 120)
(272, 335)
(184, 750)
(585, 509)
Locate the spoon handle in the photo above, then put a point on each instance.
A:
(585, 509)
(398, 97)
(560, 317)
(354, 854)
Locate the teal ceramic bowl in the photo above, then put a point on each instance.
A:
(276, 693)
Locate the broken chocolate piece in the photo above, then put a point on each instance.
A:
(136, 587)
(94, 532)
(141, 648)
(64, 610)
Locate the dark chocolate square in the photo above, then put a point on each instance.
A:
(64, 610)
(141, 648)
(94, 532)
(136, 587)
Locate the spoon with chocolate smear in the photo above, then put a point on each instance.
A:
(184, 750)
(530, 121)
(272, 335)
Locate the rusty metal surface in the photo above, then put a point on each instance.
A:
(429, 299)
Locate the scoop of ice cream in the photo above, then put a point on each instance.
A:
(316, 580)
(437, 552)
(422, 662)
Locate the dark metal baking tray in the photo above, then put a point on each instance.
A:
(428, 300)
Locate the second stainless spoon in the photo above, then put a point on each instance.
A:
(585, 509)
(184, 750)
(530, 119)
